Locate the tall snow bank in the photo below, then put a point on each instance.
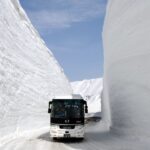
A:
(29, 73)
(91, 91)
(127, 65)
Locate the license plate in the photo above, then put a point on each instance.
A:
(67, 135)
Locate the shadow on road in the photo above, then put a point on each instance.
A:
(46, 137)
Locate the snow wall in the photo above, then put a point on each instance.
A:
(29, 74)
(126, 36)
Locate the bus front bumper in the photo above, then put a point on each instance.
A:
(56, 132)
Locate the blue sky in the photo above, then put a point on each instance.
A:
(72, 30)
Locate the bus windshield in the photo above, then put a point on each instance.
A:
(67, 109)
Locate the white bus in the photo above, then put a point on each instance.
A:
(67, 118)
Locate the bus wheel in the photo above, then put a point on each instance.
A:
(81, 139)
(54, 138)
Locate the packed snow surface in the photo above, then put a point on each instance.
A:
(29, 74)
(91, 92)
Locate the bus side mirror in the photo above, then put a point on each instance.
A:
(84, 102)
(49, 107)
(49, 110)
(86, 109)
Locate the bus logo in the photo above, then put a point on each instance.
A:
(67, 121)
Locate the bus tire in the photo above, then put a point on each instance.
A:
(81, 139)
(54, 138)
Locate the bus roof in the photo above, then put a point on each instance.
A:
(73, 96)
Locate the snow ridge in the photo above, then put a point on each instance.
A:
(91, 91)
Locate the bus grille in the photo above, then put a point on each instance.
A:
(67, 126)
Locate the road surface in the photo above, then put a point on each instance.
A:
(96, 138)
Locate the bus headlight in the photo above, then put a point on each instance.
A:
(54, 127)
(53, 131)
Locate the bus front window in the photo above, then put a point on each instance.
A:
(67, 109)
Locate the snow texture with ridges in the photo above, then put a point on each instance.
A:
(29, 73)
(126, 38)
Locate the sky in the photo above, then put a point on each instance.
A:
(72, 30)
